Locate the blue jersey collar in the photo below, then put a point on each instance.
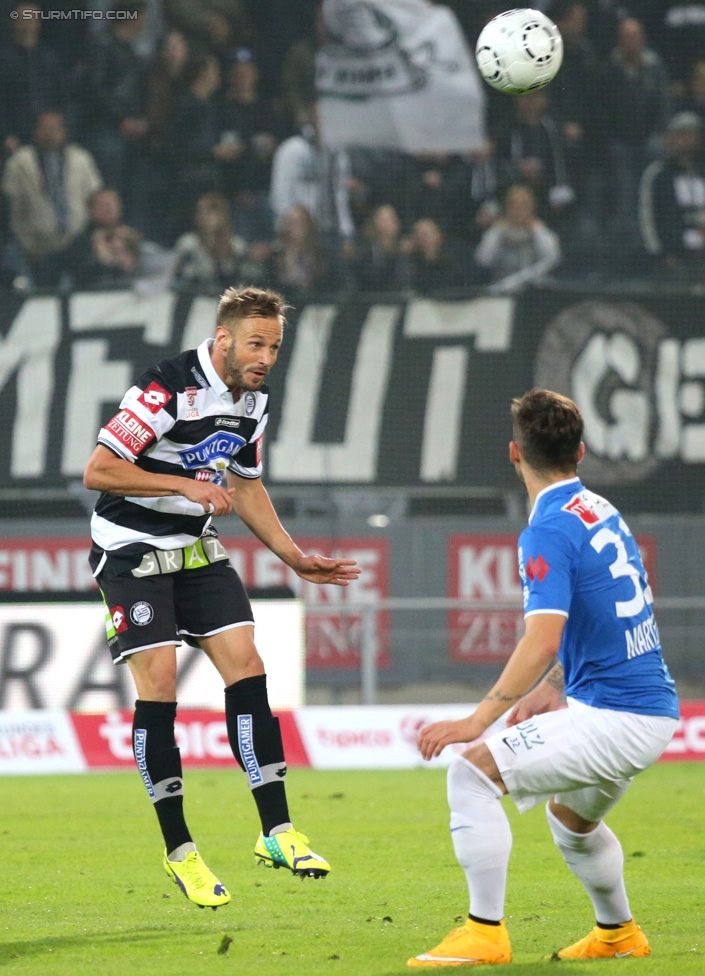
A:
(555, 486)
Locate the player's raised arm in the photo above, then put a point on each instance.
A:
(253, 505)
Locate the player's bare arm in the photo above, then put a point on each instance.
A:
(109, 473)
(252, 504)
(545, 697)
(532, 655)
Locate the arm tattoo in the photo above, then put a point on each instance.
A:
(555, 677)
(499, 696)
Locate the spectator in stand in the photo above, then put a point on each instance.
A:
(214, 24)
(49, 185)
(679, 29)
(193, 148)
(147, 41)
(695, 97)
(531, 151)
(211, 254)
(636, 105)
(438, 186)
(298, 76)
(518, 249)
(380, 264)
(165, 84)
(431, 263)
(672, 200)
(250, 133)
(483, 205)
(299, 261)
(305, 172)
(31, 77)
(111, 254)
(119, 119)
(578, 117)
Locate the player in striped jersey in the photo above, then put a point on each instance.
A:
(185, 447)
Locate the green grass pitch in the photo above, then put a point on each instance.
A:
(82, 890)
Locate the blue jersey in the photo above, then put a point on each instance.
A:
(578, 558)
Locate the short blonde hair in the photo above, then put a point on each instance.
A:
(245, 303)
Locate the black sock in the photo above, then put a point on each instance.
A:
(483, 921)
(159, 763)
(612, 925)
(256, 741)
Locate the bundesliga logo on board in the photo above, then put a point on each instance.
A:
(519, 51)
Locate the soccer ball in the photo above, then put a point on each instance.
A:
(519, 51)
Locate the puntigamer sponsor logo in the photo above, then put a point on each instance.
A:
(130, 431)
(220, 445)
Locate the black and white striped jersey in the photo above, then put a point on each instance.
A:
(178, 419)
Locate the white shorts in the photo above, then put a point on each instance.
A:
(584, 756)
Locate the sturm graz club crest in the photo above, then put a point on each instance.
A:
(365, 54)
(635, 385)
(141, 613)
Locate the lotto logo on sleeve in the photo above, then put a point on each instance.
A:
(536, 569)
(154, 397)
(131, 431)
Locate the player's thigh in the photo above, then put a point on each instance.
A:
(209, 600)
(593, 803)
(139, 612)
(213, 611)
(575, 748)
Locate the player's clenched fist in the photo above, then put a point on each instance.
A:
(214, 499)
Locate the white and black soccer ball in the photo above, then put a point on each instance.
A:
(519, 51)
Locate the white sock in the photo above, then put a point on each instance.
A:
(182, 852)
(597, 860)
(481, 836)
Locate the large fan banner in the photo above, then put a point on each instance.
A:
(397, 74)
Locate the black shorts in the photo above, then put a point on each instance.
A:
(169, 607)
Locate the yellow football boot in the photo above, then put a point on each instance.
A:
(473, 944)
(289, 849)
(197, 882)
(627, 940)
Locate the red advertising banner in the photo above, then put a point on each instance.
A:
(202, 737)
(689, 739)
(332, 640)
(483, 567)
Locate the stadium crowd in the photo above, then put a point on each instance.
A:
(177, 144)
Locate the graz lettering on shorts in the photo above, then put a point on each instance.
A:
(247, 752)
(141, 759)
(524, 735)
(220, 445)
(642, 638)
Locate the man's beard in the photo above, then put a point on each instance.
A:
(235, 377)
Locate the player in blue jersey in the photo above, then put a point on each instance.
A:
(591, 633)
